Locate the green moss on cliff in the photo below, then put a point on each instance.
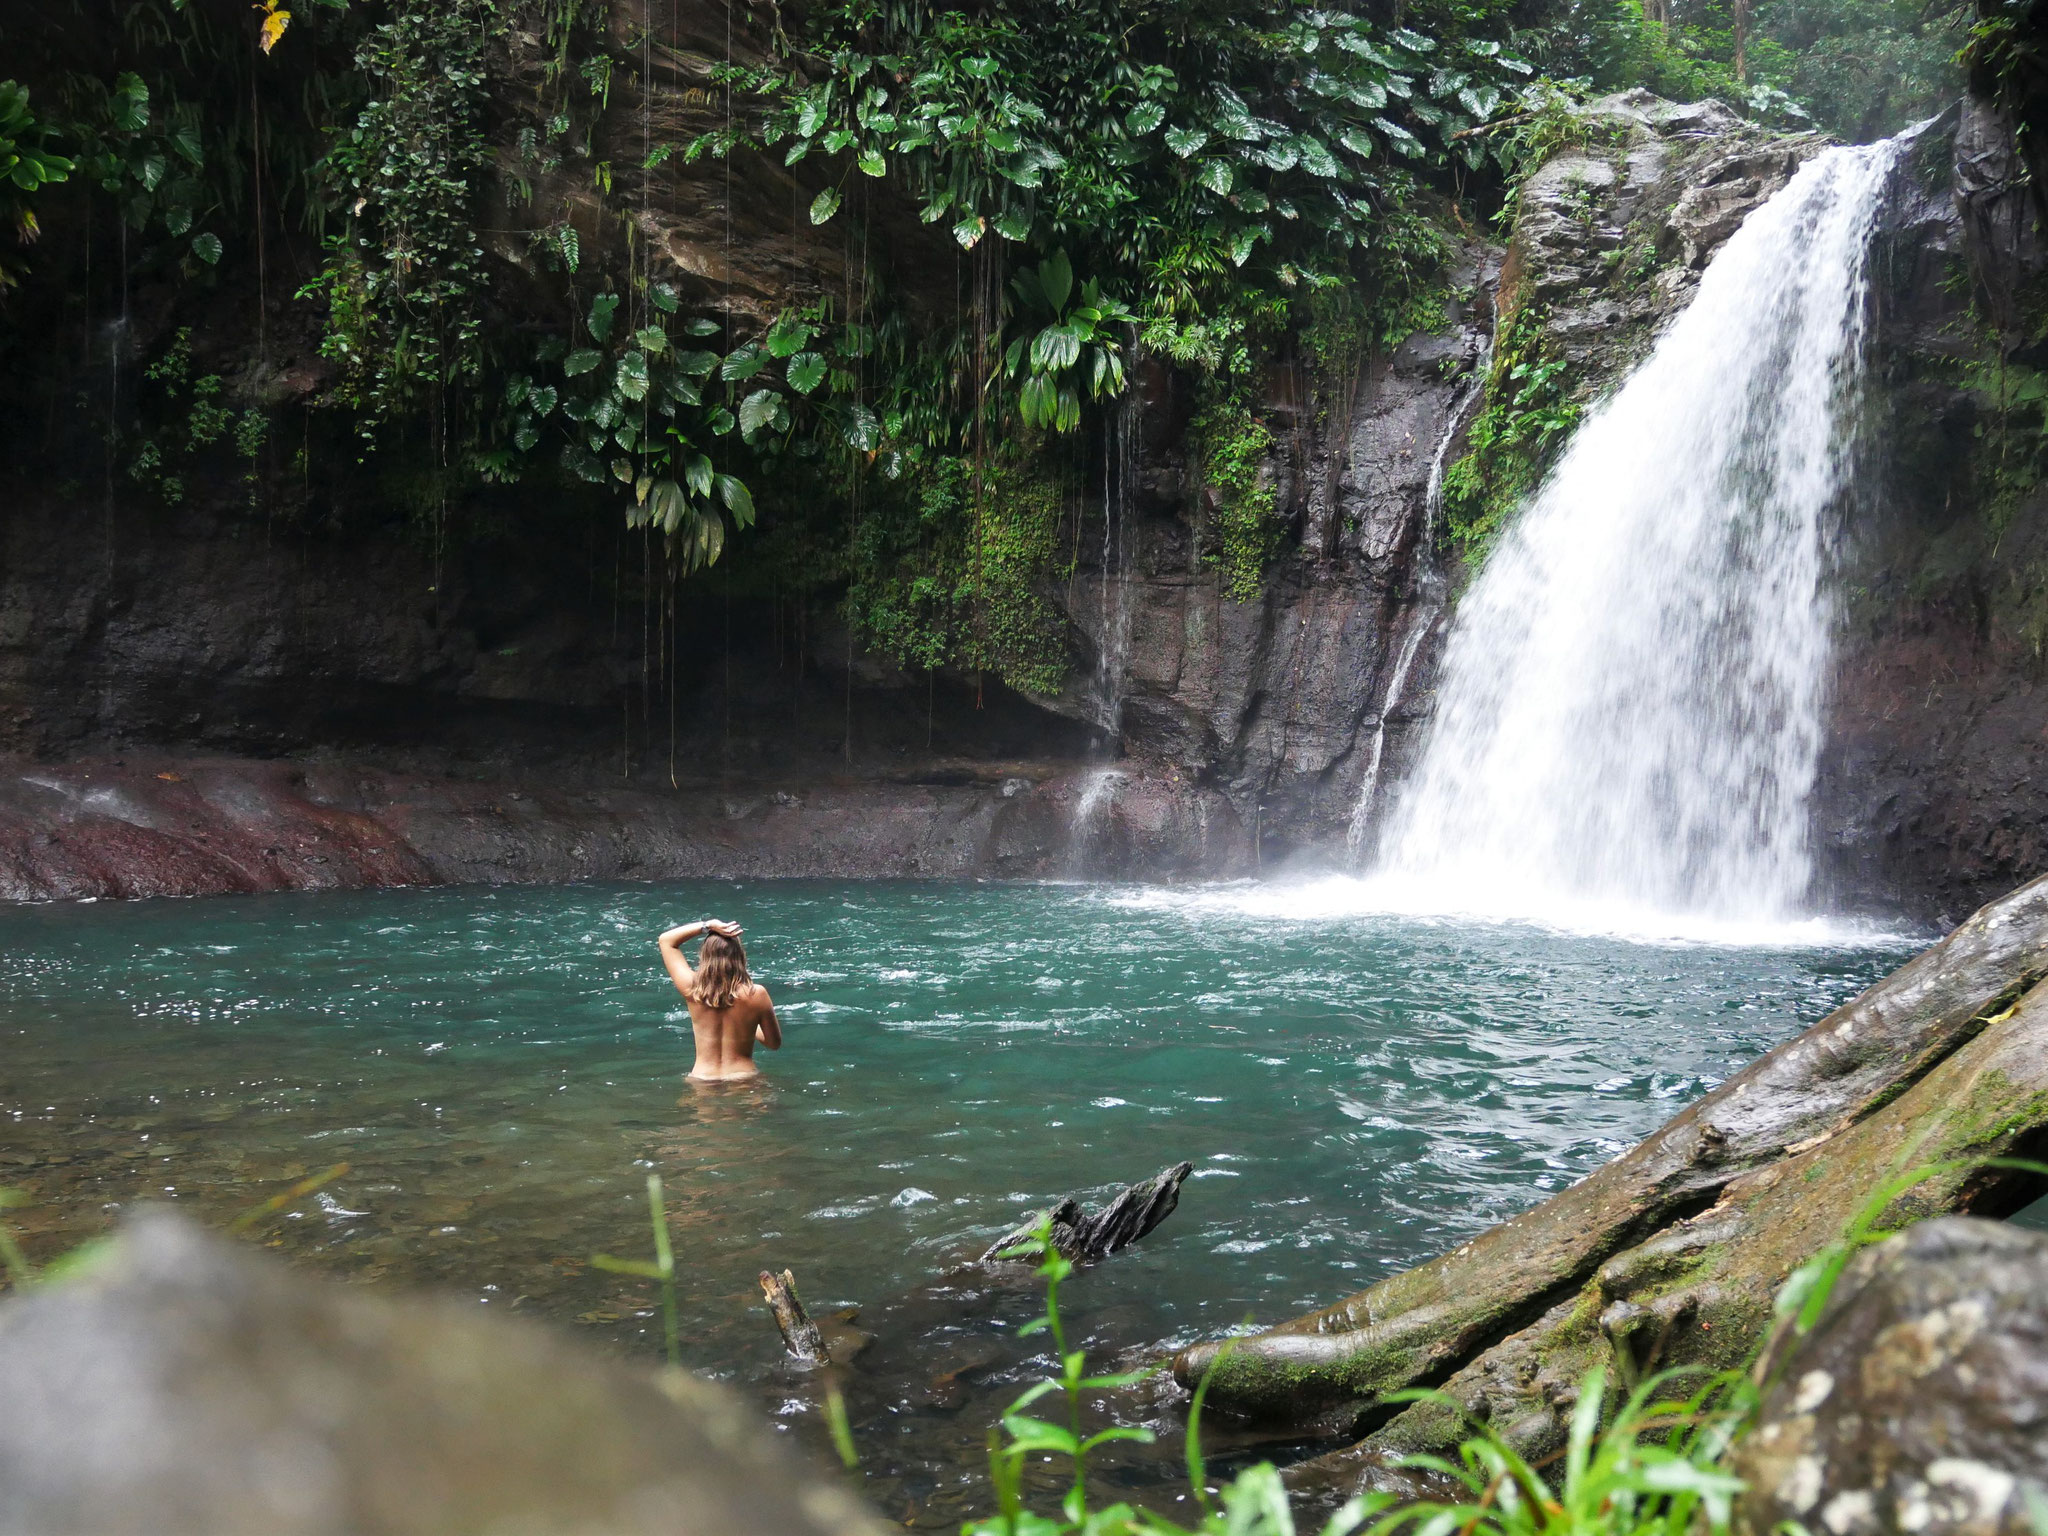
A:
(1528, 414)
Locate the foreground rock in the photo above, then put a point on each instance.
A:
(1670, 1254)
(186, 1386)
(1920, 1401)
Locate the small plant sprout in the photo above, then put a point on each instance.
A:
(841, 1428)
(20, 1273)
(1253, 1504)
(286, 1198)
(662, 1269)
(1029, 1435)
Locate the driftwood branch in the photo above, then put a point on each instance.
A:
(1087, 1236)
(800, 1335)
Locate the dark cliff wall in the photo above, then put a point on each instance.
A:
(1935, 785)
(125, 623)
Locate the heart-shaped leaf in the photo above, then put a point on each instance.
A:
(757, 411)
(1316, 158)
(632, 376)
(806, 371)
(744, 364)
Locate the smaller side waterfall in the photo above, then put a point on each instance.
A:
(1423, 613)
(1633, 693)
(1113, 652)
(1092, 811)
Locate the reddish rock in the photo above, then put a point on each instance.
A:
(137, 826)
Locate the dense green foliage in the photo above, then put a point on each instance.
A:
(1169, 145)
(1858, 68)
(1230, 190)
(27, 163)
(1195, 181)
(405, 274)
(1528, 415)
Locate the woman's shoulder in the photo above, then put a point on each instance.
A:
(756, 993)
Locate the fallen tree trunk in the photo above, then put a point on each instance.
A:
(1083, 1237)
(1700, 1292)
(1330, 1371)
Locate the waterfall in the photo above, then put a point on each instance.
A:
(1633, 692)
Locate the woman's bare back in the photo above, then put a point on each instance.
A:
(725, 1036)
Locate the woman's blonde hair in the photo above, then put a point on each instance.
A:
(721, 972)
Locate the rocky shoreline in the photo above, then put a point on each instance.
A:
(146, 825)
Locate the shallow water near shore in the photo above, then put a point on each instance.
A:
(501, 1068)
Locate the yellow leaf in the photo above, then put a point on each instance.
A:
(274, 23)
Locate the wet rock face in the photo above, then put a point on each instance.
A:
(1274, 703)
(1610, 237)
(1920, 1401)
(1933, 785)
(186, 1387)
(162, 826)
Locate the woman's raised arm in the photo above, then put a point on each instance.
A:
(671, 944)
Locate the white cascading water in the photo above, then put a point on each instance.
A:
(1632, 696)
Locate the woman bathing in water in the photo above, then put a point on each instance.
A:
(729, 1010)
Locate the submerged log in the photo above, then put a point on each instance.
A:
(1331, 1370)
(1086, 1237)
(800, 1336)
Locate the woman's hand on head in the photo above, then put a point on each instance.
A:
(723, 929)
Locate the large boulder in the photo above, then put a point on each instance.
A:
(1920, 1401)
(185, 1385)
